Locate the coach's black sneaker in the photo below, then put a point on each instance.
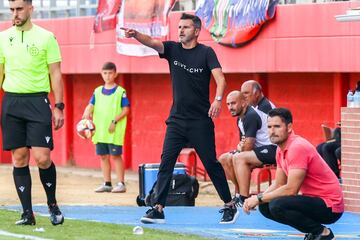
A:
(56, 216)
(230, 214)
(153, 215)
(308, 236)
(27, 218)
(330, 236)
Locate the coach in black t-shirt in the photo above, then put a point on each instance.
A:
(190, 121)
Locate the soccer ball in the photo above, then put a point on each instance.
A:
(85, 128)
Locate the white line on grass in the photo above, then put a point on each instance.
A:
(21, 236)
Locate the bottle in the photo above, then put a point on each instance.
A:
(356, 99)
(350, 99)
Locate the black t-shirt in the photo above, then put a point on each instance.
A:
(190, 71)
(249, 124)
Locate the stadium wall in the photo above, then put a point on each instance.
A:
(305, 60)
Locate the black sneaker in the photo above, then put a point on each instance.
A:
(327, 237)
(153, 215)
(56, 216)
(230, 214)
(308, 236)
(27, 218)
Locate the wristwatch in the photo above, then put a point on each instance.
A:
(218, 98)
(60, 106)
(260, 197)
(113, 121)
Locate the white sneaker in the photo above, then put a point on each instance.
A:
(119, 188)
(103, 188)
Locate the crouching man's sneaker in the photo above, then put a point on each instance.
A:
(27, 218)
(153, 215)
(230, 214)
(321, 237)
(56, 216)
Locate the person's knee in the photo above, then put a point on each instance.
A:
(264, 209)
(223, 158)
(117, 158)
(20, 157)
(105, 158)
(246, 160)
(239, 159)
(276, 208)
(319, 148)
(338, 153)
(43, 161)
(226, 160)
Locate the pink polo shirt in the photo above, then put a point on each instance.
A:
(320, 180)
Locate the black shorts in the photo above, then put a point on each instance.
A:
(26, 121)
(266, 154)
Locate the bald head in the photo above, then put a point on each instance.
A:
(252, 91)
(236, 103)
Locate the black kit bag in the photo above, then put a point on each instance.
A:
(182, 192)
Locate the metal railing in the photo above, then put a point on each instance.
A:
(75, 8)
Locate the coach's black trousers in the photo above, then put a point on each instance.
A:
(306, 214)
(200, 134)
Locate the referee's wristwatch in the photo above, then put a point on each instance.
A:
(60, 106)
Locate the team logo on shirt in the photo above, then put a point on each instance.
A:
(191, 70)
(33, 50)
(11, 40)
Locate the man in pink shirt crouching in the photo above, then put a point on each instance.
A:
(306, 192)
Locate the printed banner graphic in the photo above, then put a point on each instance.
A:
(105, 18)
(235, 23)
(146, 16)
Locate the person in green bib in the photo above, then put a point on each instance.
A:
(29, 67)
(109, 107)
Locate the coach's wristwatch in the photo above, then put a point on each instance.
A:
(60, 105)
(218, 98)
(260, 197)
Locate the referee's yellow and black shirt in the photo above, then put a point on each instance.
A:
(26, 56)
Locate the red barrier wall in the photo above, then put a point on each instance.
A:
(304, 59)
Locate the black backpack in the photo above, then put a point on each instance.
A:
(182, 192)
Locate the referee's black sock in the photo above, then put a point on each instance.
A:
(22, 179)
(48, 180)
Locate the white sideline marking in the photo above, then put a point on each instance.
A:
(21, 236)
(280, 233)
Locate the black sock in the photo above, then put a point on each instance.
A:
(108, 184)
(243, 198)
(22, 179)
(48, 180)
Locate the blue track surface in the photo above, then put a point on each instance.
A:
(204, 221)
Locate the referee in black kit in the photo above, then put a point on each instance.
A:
(29, 61)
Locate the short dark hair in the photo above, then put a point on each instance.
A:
(196, 20)
(109, 66)
(28, 1)
(283, 113)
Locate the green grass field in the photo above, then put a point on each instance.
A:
(80, 230)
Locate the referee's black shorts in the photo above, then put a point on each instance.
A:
(26, 121)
